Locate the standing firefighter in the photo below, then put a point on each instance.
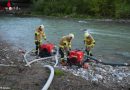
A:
(39, 35)
(89, 43)
(65, 46)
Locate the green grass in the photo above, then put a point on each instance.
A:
(58, 72)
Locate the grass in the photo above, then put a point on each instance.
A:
(58, 72)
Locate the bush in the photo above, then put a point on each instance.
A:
(91, 8)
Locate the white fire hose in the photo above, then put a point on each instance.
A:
(46, 86)
(4, 65)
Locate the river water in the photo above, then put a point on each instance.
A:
(112, 38)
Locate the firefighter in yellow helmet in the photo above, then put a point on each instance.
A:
(89, 42)
(39, 35)
(65, 46)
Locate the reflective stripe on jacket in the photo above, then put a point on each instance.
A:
(39, 36)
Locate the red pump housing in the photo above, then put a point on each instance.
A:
(46, 50)
(49, 47)
(76, 56)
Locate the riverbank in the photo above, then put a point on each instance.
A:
(14, 75)
(30, 13)
(82, 17)
(20, 77)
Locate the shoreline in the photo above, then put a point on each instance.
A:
(31, 14)
(25, 78)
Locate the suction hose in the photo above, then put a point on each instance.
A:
(104, 63)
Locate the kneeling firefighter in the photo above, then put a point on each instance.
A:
(65, 46)
(89, 43)
(39, 35)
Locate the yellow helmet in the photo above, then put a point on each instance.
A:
(71, 35)
(86, 34)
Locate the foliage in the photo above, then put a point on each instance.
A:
(87, 8)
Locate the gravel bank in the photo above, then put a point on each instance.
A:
(20, 77)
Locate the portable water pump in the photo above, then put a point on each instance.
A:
(47, 50)
(75, 57)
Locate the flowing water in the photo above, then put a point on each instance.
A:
(112, 38)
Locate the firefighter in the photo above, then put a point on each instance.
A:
(65, 47)
(89, 43)
(39, 35)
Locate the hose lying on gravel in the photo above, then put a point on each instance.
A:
(104, 63)
(46, 86)
(4, 65)
(28, 63)
(35, 60)
(25, 59)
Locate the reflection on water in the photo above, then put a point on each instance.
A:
(112, 39)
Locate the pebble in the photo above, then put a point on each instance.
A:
(102, 73)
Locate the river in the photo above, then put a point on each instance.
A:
(112, 38)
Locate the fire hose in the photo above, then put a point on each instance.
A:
(105, 63)
(4, 65)
(46, 86)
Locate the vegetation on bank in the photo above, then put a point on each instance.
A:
(83, 8)
(58, 72)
